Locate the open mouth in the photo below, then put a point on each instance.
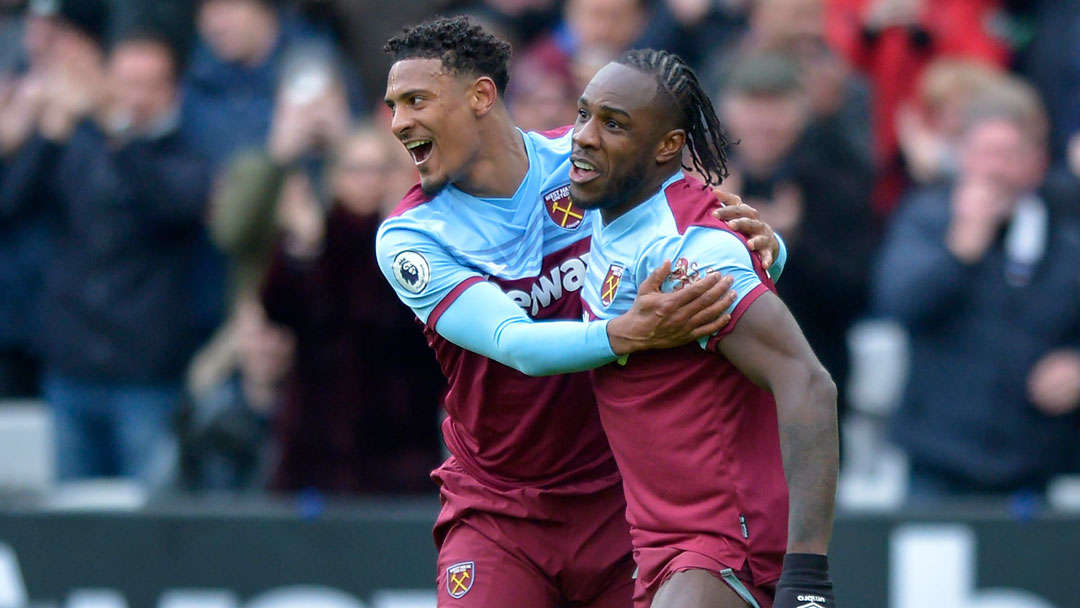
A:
(582, 171)
(420, 150)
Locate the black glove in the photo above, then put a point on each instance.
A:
(804, 582)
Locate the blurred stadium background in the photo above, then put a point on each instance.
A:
(209, 398)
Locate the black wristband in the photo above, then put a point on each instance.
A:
(804, 582)
(806, 563)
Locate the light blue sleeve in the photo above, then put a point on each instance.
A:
(480, 317)
(701, 250)
(777, 267)
(420, 269)
(486, 321)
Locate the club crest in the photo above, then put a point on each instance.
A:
(459, 578)
(610, 286)
(561, 209)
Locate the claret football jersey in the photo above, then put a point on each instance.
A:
(696, 441)
(504, 427)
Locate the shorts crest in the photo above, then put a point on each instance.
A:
(459, 578)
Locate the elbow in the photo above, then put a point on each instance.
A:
(532, 369)
(822, 391)
(818, 390)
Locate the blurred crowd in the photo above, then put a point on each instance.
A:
(189, 193)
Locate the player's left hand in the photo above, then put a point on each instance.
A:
(745, 219)
(804, 582)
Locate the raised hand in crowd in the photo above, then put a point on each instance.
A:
(21, 103)
(302, 127)
(74, 88)
(1054, 382)
(924, 148)
(979, 209)
(302, 219)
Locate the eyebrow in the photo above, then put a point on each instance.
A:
(405, 95)
(605, 108)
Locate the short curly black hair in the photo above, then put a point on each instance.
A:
(463, 47)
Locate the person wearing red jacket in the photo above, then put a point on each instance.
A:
(892, 41)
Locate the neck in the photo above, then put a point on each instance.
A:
(502, 162)
(639, 196)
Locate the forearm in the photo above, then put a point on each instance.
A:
(806, 407)
(485, 321)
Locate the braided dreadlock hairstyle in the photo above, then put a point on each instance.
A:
(705, 138)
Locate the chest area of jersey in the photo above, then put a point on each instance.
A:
(554, 291)
(611, 283)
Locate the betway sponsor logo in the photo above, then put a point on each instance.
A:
(565, 278)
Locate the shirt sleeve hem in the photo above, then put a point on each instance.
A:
(445, 303)
(714, 342)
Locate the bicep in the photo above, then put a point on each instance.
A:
(767, 344)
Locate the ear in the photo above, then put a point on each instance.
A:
(670, 146)
(483, 95)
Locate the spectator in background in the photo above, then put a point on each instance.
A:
(540, 98)
(696, 29)
(929, 127)
(351, 420)
(803, 179)
(592, 33)
(29, 49)
(892, 41)
(306, 129)
(235, 392)
(125, 197)
(839, 100)
(246, 49)
(985, 279)
(354, 421)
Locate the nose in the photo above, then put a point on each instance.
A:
(586, 135)
(401, 122)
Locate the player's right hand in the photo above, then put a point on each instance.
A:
(804, 582)
(666, 320)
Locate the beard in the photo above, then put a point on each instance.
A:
(619, 188)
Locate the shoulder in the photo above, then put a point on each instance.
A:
(554, 134)
(714, 246)
(691, 203)
(557, 140)
(414, 198)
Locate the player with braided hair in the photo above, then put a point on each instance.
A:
(727, 448)
(706, 140)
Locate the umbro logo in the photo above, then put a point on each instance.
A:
(811, 601)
